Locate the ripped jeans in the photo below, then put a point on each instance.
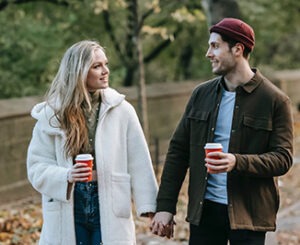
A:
(87, 215)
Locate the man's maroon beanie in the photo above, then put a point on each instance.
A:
(237, 30)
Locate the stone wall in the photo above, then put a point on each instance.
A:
(289, 82)
(15, 130)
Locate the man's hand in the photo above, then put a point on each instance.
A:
(219, 162)
(162, 224)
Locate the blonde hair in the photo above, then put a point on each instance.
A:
(68, 92)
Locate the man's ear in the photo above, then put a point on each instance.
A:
(238, 49)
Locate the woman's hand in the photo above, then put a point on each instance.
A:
(79, 172)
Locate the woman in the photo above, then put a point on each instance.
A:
(82, 114)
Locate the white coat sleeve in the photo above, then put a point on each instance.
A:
(44, 173)
(143, 181)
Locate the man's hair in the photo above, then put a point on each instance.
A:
(231, 43)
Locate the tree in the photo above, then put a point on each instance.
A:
(136, 26)
(173, 37)
(25, 51)
(219, 9)
(62, 22)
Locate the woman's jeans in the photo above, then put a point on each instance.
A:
(87, 215)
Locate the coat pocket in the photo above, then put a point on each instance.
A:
(52, 221)
(258, 123)
(261, 128)
(121, 195)
(198, 126)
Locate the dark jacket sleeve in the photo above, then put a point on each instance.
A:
(278, 158)
(176, 165)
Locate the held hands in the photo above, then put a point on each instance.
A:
(148, 215)
(219, 162)
(163, 224)
(79, 172)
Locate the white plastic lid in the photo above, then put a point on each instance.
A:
(82, 157)
(213, 146)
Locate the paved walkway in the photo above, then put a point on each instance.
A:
(287, 220)
(156, 240)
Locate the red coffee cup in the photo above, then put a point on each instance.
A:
(88, 160)
(212, 147)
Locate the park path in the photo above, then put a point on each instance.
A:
(143, 239)
(288, 222)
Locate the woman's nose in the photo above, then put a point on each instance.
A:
(105, 70)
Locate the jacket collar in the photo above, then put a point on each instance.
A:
(250, 86)
(254, 82)
(44, 114)
(47, 122)
(111, 98)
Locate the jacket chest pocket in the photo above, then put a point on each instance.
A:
(198, 126)
(256, 133)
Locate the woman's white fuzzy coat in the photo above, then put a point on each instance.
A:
(124, 171)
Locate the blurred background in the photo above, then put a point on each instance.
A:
(156, 51)
(173, 35)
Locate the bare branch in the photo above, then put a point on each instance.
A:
(145, 16)
(110, 30)
(156, 51)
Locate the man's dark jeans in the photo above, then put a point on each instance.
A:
(214, 229)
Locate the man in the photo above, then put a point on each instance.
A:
(237, 199)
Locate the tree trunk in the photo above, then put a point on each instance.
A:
(219, 9)
(142, 96)
(135, 55)
(129, 76)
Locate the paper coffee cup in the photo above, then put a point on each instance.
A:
(88, 160)
(211, 147)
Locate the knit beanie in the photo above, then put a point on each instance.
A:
(237, 30)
